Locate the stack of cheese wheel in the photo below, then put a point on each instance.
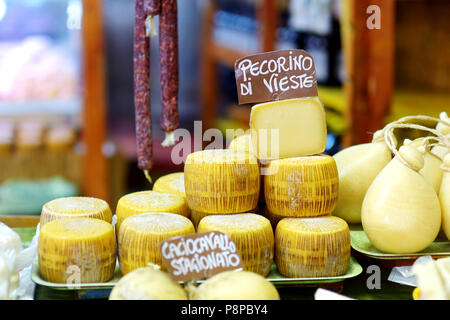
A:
(300, 187)
(252, 234)
(75, 207)
(74, 251)
(221, 182)
(140, 235)
(149, 201)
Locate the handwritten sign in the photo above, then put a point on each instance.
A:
(275, 75)
(199, 255)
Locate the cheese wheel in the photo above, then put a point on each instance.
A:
(171, 183)
(77, 251)
(252, 234)
(312, 247)
(302, 186)
(75, 207)
(140, 235)
(149, 201)
(221, 181)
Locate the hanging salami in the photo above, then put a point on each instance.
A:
(141, 61)
(168, 55)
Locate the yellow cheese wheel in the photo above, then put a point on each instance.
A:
(221, 181)
(312, 247)
(302, 187)
(149, 201)
(140, 235)
(75, 207)
(77, 251)
(252, 234)
(171, 183)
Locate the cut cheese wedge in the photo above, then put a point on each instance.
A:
(288, 128)
(301, 186)
(252, 234)
(221, 181)
(171, 183)
(140, 235)
(149, 201)
(77, 251)
(312, 247)
(75, 207)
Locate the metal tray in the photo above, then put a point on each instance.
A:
(361, 243)
(274, 276)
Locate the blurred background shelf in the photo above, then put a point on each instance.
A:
(366, 77)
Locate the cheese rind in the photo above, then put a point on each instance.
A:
(252, 234)
(312, 247)
(71, 250)
(221, 181)
(301, 186)
(149, 201)
(75, 207)
(288, 128)
(140, 235)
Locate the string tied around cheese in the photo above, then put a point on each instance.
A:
(404, 158)
(427, 145)
(378, 135)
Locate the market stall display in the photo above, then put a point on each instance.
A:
(270, 211)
